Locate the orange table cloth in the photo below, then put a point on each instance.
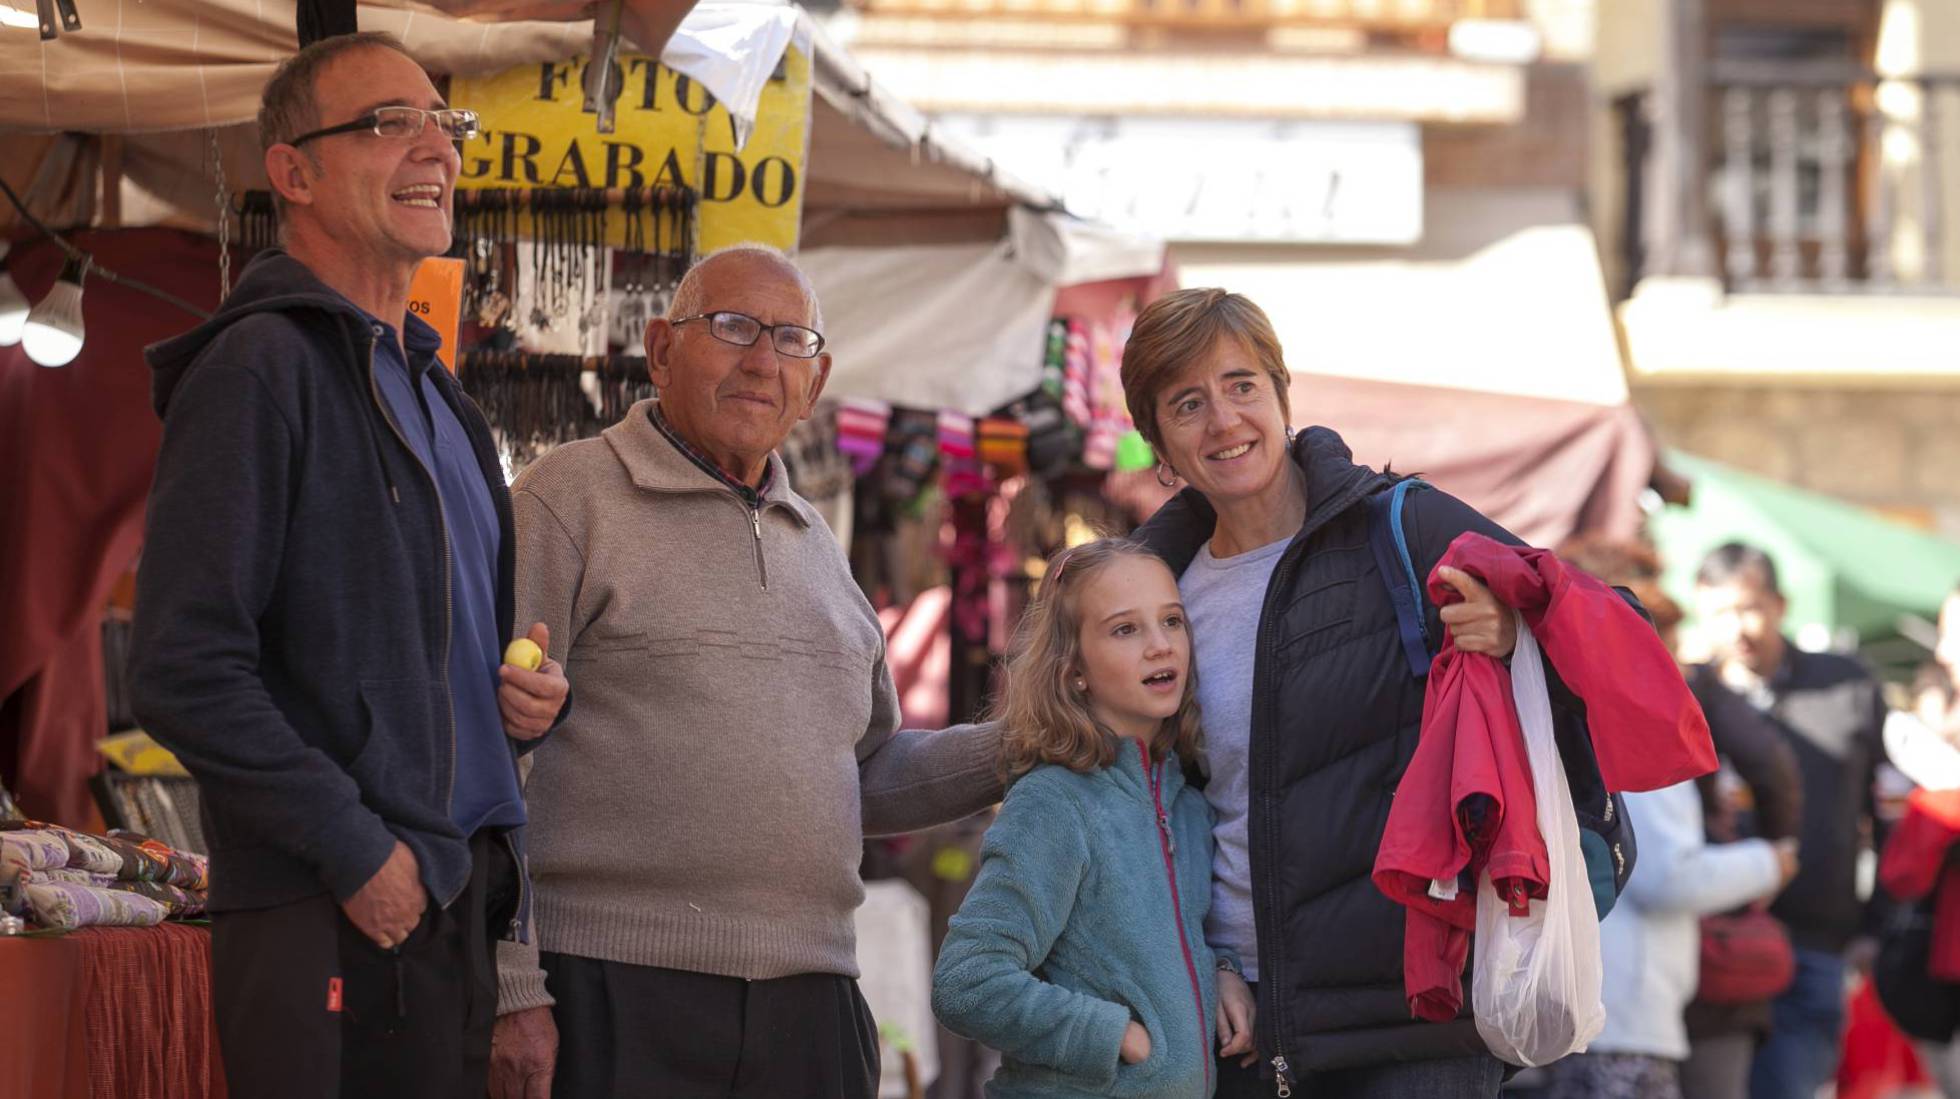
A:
(109, 1013)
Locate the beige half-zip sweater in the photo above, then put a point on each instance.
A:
(704, 806)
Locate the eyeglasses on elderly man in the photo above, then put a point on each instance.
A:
(743, 330)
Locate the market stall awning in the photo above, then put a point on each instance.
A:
(1846, 571)
(877, 172)
(191, 64)
(960, 326)
(1483, 358)
(1504, 294)
(1544, 469)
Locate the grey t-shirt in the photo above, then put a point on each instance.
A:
(1223, 600)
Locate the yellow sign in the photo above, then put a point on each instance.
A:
(436, 295)
(668, 131)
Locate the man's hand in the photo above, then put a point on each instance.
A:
(523, 1055)
(1479, 624)
(389, 906)
(1235, 1012)
(530, 701)
(1136, 1044)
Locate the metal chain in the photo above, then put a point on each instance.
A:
(224, 221)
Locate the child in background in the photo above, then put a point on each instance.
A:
(1080, 951)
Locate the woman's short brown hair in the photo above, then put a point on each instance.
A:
(1181, 328)
(1042, 720)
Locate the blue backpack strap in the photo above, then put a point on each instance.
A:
(1391, 548)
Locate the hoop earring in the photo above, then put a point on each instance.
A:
(1161, 467)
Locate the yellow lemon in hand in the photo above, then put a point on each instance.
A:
(524, 653)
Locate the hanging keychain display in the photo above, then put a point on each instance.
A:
(538, 401)
(566, 233)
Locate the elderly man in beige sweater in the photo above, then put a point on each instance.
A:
(697, 822)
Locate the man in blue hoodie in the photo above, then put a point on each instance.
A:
(325, 592)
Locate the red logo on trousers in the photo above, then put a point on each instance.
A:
(333, 994)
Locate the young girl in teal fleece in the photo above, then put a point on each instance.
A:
(1080, 951)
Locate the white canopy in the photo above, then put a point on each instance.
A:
(1503, 295)
(959, 326)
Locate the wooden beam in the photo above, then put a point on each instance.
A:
(110, 216)
(1680, 243)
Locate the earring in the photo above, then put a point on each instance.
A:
(1081, 686)
(1161, 467)
(1289, 436)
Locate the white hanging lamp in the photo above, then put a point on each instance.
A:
(13, 307)
(52, 333)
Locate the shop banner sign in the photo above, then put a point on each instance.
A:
(669, 130)
(1219, 179)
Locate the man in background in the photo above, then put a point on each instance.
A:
(1830, 711)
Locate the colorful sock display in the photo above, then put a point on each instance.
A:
(955, 435)
(861, 428)
(913, 441)
(1133, 453)
(1053, 439)
(1054, 358)
(1004, 445)
(1109, 417)
(1075, 417)
(1075, 372)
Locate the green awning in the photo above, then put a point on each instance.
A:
(1843, 568)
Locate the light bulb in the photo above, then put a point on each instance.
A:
(52, 335)
(13, 310)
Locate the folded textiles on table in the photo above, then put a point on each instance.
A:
(67, 906)
(65, 879)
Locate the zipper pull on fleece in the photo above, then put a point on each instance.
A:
(761, 565)
(1154, 772)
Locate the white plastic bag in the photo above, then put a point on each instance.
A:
(1535, 987)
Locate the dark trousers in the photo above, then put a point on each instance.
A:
(1718, 1067)
(1806, 1031)
(1476, 1077)
(1445, 1078)
(309, 1008)
(626, 1031)
(1614, 1076)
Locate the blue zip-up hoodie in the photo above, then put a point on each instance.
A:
(292, 613)
(1073, 929)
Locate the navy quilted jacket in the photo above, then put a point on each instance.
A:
(1336, 715)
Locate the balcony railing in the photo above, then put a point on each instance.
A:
(1815, 182)
(1388, 15)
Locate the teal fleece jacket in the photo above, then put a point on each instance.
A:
(1088, 912)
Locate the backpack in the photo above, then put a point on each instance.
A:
(1923, 1006)
(1606, 841)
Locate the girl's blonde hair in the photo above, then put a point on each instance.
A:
(1044, 719)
